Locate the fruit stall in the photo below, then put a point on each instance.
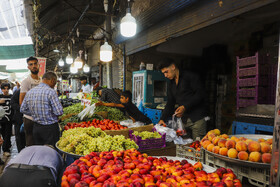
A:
(99, 151)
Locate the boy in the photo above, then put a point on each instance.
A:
(6, 120)
(129, 107)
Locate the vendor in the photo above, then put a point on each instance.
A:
(86, 88)
(133, 112)
(186, 91)
(108, 95)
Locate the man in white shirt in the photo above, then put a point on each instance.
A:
(86, 88)
(27, 84)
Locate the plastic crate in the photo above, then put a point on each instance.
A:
(149, 143)
(246, 102)
(184, 151)
(250, 128)
(153, 114)
(256, 176)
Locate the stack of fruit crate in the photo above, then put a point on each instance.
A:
(252, 81)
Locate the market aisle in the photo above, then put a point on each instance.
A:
(14, 152)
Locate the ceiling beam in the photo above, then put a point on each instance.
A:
(100, 13)
(85, 15)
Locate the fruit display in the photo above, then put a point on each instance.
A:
(132, 169)
(147, 135)
(238, 148)
(105, 124)
(82, 141)
(196, 145)
(76, 108)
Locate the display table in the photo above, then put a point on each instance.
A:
(169, 150)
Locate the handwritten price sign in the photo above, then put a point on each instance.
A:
(85, 102)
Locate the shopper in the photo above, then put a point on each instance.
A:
(20, 136)
(6, 121)
(38, 166)
(27, 84)
(43, 105)
(133, 112)
(86, 88)
(16, 87)
(108, 95)
(186, 91)
(1, 143)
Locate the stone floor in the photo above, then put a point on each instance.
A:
(14, 152)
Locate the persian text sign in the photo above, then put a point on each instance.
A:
(42, 68)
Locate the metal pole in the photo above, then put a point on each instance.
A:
(274, 167)
(124, 67)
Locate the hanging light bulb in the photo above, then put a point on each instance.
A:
(86, 68)
(73, 69)
(78, 63)
(61, 62)
(128, 24)
(69, 59)
(106, 53)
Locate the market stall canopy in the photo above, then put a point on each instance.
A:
(15, 41)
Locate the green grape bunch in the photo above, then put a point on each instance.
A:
(147, 135)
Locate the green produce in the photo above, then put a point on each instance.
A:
(76, 108)
(83, 141)
(147, 135)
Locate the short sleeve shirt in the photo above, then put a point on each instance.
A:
(27, 84)
(86, 88)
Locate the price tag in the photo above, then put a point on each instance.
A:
(85, 102)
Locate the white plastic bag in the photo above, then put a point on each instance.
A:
(88, 111)
(170, 133)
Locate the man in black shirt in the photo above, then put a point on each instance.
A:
(108, 95)
(133, 112)
(6, 120)
(186, 91)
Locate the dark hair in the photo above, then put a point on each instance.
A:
(98, 89)
(83, 78)
(127, 94)
(3, 85)
(93, 78)
(31, 58)
(165, 63)
(49, 75)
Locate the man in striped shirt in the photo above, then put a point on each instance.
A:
(43, 105)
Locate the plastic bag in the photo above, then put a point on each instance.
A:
(129, 123)
(170, 133)
(88, 111)
(177, 125)
(180, 129)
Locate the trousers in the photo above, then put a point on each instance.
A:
(28, 130)
(197, 129)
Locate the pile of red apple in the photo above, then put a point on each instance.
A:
(196, 145)
(132, 169)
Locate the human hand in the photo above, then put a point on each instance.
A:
(2, 101)
(180, 111)
(99, 103)
(162, 123)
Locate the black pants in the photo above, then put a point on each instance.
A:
(6, 131)
(28, 130)
(27, 176)
(20, 137)
(45, 134)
